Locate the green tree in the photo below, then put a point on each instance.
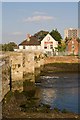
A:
(9, 47)
(78, 39)
(61, 47)
(41, 34)
(0, 47)
(56, 35)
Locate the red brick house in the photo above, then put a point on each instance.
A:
(73, 46)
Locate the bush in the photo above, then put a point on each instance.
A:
(56, 109)
(45, 54)
(65, 111)
(30, 93)
(7, 97)
(16, 93)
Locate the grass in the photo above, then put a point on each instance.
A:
(56, 109)
(7, 97)
(65, 111)
(31, 106)
(29, 94)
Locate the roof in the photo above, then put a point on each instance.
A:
(33, 41)
(69, 40)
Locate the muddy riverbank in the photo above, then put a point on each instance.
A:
(60, 68)
(12, 109)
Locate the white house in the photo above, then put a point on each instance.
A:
(31, 43)
(48, 45)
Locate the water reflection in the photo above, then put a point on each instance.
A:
(48, 96)
(60, 91)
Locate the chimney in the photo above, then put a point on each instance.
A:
(28, 37)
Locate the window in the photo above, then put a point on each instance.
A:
(23, 47)
(72, 46)
(72, 42)
(45, 46)
(51, 46)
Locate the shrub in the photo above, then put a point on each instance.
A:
(56, 109)
(65, 111)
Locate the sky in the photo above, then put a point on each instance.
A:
(21, 18)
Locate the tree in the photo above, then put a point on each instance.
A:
(41, 34)
(9, 47)
(66, 39)
(56, 35)
(78, 39)
(0, 47)
(61, 47)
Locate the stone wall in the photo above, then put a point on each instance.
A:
(61, 59)
(25, 66)
(4, 76)
(16, 63)
(28, 66)
(22, 67)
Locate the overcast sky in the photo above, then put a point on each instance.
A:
(18, 19)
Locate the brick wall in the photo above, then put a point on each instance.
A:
(73, 46)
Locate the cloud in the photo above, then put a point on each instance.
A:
(17, 33)
(38, 18)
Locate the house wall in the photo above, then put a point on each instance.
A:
(47, 41)
(73, 47)
(20, 47)
(31, 47)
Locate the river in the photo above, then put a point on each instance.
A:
(60, 90)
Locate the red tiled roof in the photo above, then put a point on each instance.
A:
(33, 41)
(72, 39)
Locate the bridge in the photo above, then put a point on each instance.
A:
(19, 67)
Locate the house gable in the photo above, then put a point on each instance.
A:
(49, 42)
(48, 37)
